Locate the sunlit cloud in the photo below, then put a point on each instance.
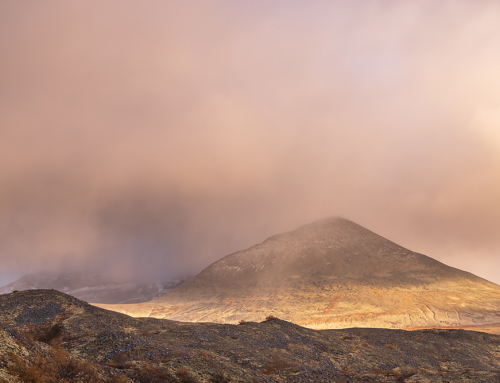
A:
(156, 138)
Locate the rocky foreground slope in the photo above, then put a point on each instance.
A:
(330, 274)
(47, 336)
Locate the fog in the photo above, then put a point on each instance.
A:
(153, 138)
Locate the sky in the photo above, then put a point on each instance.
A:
(152, 138)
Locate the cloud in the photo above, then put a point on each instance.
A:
(156, 138)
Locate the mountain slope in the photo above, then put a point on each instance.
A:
(330, 274)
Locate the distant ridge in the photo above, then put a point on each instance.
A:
(331, 273)
(91, 287)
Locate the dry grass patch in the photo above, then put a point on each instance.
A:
(57, 366)
(390, 372)
(278, 365)
(148, 373)
(120, 361)
(220, 377)
(185, 376)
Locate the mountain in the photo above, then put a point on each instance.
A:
(91, 287)
(330, 274)
(48, 336)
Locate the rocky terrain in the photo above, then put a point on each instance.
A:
(91, 287)
(47, 336)
(330, 274)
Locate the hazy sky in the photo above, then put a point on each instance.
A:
(155, 137)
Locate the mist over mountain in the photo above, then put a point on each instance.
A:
(332, 273)
(333, 249)
(160, 135)
(95, 288)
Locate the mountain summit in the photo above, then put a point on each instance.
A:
(333, 251)
(329, 274)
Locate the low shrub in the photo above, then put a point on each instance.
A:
(57, 366)
(118, 378)
(270, 318)
(204, 354)
(389, 372)
(185, 376)
(20, 368)
(220, 377)
(120, 361)
(148, 373)
(348, 337)
(277, 365)
(391, 346)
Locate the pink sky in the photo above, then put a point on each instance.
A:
(160, 136)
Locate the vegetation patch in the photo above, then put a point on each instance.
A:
(54, 367)
(270, 318)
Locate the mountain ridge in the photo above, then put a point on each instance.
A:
(93, 287)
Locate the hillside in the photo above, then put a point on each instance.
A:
(45, 334)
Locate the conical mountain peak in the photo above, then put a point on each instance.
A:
(328, 227)
(331, 273)
(330, 251)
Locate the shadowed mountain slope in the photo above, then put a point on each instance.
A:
(330, 274)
